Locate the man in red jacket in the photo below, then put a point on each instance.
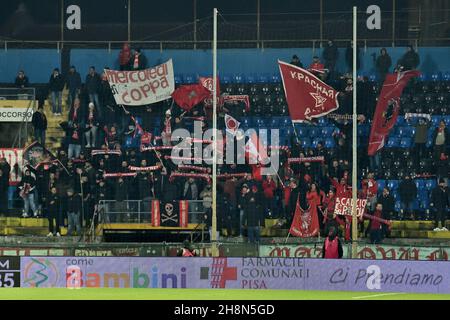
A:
(375, 225)
(370, 190)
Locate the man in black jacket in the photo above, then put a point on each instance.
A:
(253, 214)
(39, 122)
(93, 82)
(408, 193)
(73, 81)
(388, 202)
(440, 203)
(73, 212)
(330, 56)
(56, 86)
(53, 213)
(382, 63)
(410, 60)
(21, 80)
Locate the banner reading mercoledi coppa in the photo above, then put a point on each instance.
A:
(140, 87)
(244, 273)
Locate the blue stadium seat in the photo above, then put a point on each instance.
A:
(323, 121)
(250, 78)
(447, 120)
(400, 121)
(238, 78)
(329, 143)
(314, 132)
(263, 78)
(420, 184)
(381, 184)
(405, 143)
(225, 78)
(436, 76)
(446, 76)
(396, 196)
(406, 132)
(246, 122)
(315, 142)
(430, 184)
(302, 131)
(392, 184)
(177, 79)
(275, 78)
(189, 78)
(392, 143)
(306, 142)
(415, 205)
(398, 206)
(423, 76)
(435, 120)
(274, 122)
(327, 131)
(285, 122)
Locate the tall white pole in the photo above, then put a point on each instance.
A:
(214, 168)
(354, 143)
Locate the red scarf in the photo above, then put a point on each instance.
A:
(136, 61)
(167, 126)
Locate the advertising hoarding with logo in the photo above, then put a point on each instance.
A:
(237, 273)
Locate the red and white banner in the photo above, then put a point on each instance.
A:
(305, 223)
(150, 168)
(307, 96)
(141, 87)
(156, 213)
(184, 206)
(119, 175)
(388, 108)
(13, 156)
(188, 96)
(306, 159)
(343, 206)
(103, 152)
(194, 168)
(208, 83)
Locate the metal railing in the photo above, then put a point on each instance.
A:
(139, 211)
(205, 44)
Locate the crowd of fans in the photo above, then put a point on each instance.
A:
(74, 187)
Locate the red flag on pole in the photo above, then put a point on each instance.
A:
(190, 95)
(207, 82)
(306, 222)
(231, 124)
(388, 108)
(307, 96)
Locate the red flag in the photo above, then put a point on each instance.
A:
(207, 82)
(256, 153)
(388, 108)
(305, 223)
(190, 95)
(307, 96)
(231, 124)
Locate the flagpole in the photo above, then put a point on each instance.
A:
(214, 248)
(354, 144)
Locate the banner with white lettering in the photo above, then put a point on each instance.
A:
(307, 96)
(343, 206)
(141, 87)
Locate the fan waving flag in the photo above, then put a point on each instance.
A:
(307, 96)
(306, 222)
(231, 124)
(256, 153)
(388, 108)
(189, 96)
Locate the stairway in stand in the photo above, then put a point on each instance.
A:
(55, 134)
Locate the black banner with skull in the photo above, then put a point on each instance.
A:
(170, 213)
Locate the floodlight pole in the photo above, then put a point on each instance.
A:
(354, 145)
(214, 248)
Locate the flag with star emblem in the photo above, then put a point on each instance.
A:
(307, 96)
(188, 96)
(388, 108)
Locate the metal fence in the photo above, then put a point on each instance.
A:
(139, 211)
